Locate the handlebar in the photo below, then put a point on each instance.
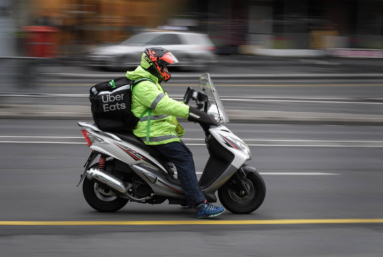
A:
(200, 98)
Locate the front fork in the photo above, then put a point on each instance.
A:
(238, 177)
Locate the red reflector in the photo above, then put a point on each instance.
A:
(86, 133)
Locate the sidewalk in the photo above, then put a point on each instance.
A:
(237, 67)
(252, 67)
(77, 112)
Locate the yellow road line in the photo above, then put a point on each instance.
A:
(190, 222)
(239, 85)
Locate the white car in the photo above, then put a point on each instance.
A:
(193, 50)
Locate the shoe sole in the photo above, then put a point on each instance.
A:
(211, 216)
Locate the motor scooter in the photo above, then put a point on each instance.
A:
(129, 170)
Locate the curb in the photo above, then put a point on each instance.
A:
(73, 112)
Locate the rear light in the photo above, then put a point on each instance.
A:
(86, 133)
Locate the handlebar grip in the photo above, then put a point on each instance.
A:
(201, 117)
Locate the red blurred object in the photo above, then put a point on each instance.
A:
(86, 133)
(101, 163)
(41, 41)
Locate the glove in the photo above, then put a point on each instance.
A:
(201, 117)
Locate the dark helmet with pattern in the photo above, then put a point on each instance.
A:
(156, 59)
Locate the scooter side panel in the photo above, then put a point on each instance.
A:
(154, 176)
(122, 150)
(210, 191)
(240, 156)
(239, 159)
(156, 179)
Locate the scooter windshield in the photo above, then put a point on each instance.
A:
(216, 107)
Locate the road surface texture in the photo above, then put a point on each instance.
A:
(324, 197)
(309, 97)
(292, 85)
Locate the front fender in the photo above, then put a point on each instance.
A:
(245, 170)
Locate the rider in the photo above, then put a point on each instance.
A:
(159, 127)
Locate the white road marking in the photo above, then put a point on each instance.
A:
(373, 101)
(298, 140)
(42, 142)
(299, 173)
(246, 139)
(292, 145)
(252, 142)
(40, 137)
(298, 98)
(297, 101)
(328, 101)
(290, 173)
(325, 146)
(319, 62)
(251, 145)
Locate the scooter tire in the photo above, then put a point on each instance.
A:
(88, 189)
(235, 204)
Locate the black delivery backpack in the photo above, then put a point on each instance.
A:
(111, 104)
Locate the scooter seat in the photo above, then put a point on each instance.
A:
(129, 137)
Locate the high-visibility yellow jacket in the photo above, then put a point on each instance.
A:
(157, 112)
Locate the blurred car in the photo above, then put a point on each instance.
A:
(193, 50)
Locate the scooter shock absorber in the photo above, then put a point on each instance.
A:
(101, 162)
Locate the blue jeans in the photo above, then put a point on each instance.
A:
(181, 156)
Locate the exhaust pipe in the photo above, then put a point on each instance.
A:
(107, 179)
(114, 183)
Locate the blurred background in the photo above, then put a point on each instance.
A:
(46, 42)
(301, 81)
(235, 27)
(112, 34)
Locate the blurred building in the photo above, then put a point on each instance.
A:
(88, 22)
(293, 24)
(233, 25)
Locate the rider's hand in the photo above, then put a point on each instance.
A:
(201, 117)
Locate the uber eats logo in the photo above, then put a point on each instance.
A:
(109, 102)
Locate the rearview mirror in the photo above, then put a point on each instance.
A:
(188, 95)
(201, 97)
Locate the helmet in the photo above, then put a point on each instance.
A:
(156, 59)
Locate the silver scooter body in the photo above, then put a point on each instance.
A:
(227, 152)
(222, 140)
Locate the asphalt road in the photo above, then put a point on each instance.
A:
(312, 173)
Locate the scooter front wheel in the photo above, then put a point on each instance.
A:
(232, 199)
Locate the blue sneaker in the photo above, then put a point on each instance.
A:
(206, 210)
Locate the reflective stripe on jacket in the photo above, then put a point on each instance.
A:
(157, 112)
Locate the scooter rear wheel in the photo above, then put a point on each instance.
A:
(232, 200)
(101, 201)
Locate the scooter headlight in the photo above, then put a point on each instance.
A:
(246, 149)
